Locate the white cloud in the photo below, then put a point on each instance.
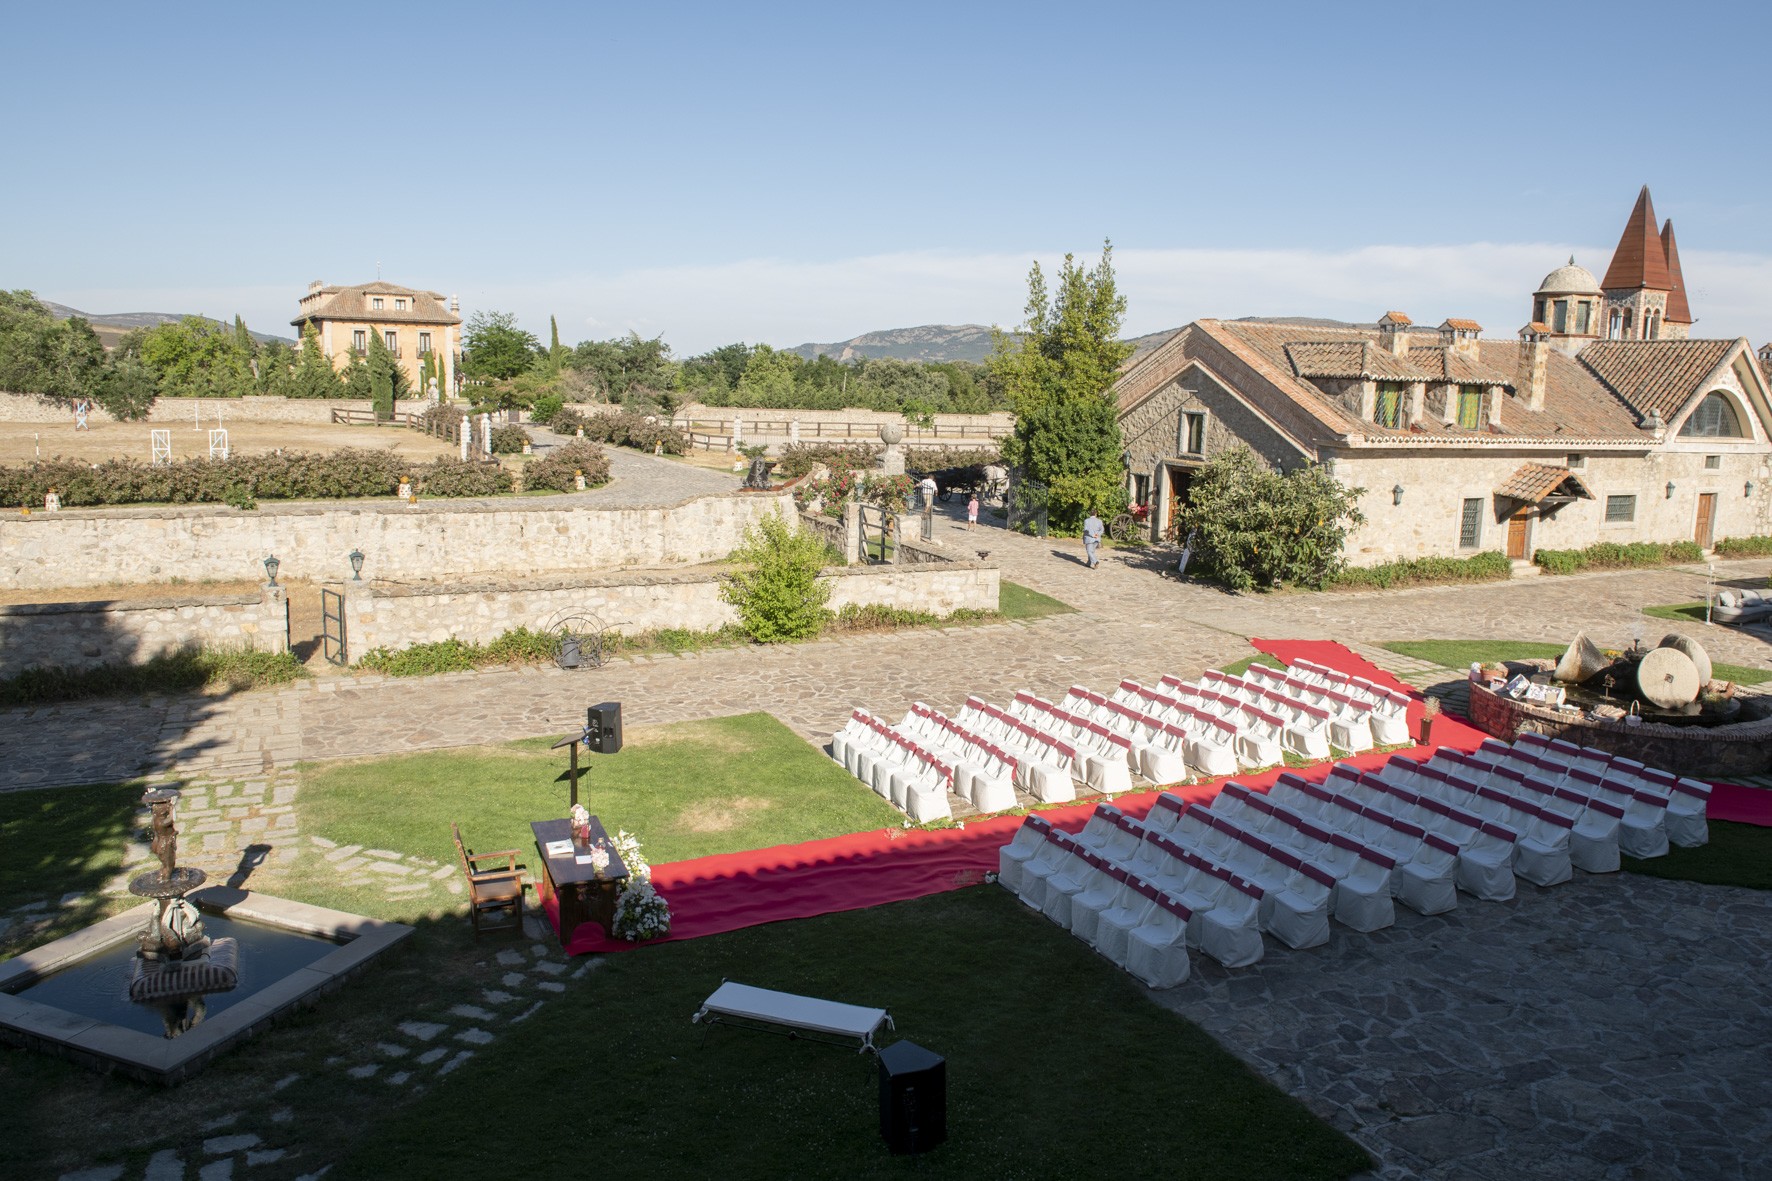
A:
(786, 302)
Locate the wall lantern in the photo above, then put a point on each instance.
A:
(357, 563)
(1126, 459)
(1670, 489)
(271, 565)
(1748, 488)
(1397, 494)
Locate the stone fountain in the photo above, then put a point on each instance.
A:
(176, 963)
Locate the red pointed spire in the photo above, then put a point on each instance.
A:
(1639, 260)
(1678, 310)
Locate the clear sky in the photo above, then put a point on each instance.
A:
(792, 172)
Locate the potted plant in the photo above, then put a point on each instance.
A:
(1430, 709)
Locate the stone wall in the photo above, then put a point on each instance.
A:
(84, 635)
(1719, 752)
(427, 540)
(386, 615)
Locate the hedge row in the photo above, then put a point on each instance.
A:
(1611, 555)
(1485, 567)
(559, 469)
(1744, 547)
(244, 479)
(626, 429)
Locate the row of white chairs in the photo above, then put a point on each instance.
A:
(1107, 758)
(898, 768)
(1387, 707)
(984, 772)
(1682, 803)
(1047, 767)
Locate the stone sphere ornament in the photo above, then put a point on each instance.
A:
(891, 434)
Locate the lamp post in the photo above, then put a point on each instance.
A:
(1710, 579)
(271, 566)
(356, 557)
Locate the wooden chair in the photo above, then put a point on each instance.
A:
(495, 896)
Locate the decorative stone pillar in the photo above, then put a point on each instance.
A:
(892, 463)
(273, 618)
(485, 433)
(359, 609)
(467, 435)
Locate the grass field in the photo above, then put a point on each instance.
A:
(1683, 612)
(20, 442)
(1461, 654)
(1015, 601)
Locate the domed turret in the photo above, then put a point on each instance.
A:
(1569, 302)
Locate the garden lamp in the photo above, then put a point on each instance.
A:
(1397, 494)
(1670, 489)
(1748, 488)
(357, 564)
(271, 565)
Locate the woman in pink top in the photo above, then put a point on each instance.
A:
(972, 511)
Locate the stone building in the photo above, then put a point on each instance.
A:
(411, 323)
(1607, 422)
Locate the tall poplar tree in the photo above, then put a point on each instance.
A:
(1058, 376)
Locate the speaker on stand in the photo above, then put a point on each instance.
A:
(913, 1098)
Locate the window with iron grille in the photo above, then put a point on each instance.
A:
(1713, 462)
(1620, 509)
(1470, 527)
(1715, 418)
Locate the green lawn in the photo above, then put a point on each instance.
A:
(1238, 668)
(1685, 612)
(1015, 601)
(65, 841)
(688, 790)
(1737, 855)
(1461, 654)
(1034, 1026)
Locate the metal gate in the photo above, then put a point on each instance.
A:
(332, 626)
(878, 543)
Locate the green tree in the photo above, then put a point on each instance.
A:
(493, 346)
(24, 332)
(74, 359)
(387, 377)
(625, 363)
(768, 378)
(776, 589)
(127, 389)
(197, 358)
(1256, 527)
(314, 375)
(1058, 377)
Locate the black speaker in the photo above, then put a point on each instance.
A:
(913, 1098)
(603, 727)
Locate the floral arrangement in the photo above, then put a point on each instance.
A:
(641, 913)
(579, 815)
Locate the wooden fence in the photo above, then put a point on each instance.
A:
(368, 418)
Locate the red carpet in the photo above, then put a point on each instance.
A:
(731, 891)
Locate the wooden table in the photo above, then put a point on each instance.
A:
(582, 894)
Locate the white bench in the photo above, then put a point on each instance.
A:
(795, 1015)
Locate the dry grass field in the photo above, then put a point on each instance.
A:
(21, 442)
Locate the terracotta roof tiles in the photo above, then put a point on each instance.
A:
(1640, 260)
(1655, 375)
(1535, 481)
(352, 303)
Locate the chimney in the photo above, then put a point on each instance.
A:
(455, 304)
(1393, 333)
(1534, 361)
(1460, 337)
(314, 287)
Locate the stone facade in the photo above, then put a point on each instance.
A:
(427, 540)
(1744, 748)
(85, 635)
(386, 615)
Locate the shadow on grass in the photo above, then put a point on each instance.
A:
(1737, 855)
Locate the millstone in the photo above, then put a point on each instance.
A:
(1694, 650)
(1582, 659)
(1668, 678)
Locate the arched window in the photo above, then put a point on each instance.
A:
(1615, 326)
(1715, 418)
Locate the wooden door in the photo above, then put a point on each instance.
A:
(1707, 519)
(1517, 526)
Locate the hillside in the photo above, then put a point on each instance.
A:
(114, 326)
(972, 342)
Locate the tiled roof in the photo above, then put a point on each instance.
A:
(352, 303)
(1463, 325)
(1640, 260)
(1658, 375)
(1442, 364)
(1535, 481)
(1396, 318)
(1351, 359)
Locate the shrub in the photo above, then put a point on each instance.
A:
(1258, 527)
(564, 421)
(558, 469)
(779, 595)
(1611, 555)
(179, 671)
(1483, 567)
(508, 440)
(454, 477)
(545, 408)
(798, 458)
(521, 646)
(238, 479)
(941, 459)
(1744, 547)
(422, 660)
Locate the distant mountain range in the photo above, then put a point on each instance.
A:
(114, 326)
(972, 342)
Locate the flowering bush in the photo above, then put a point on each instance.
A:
(641, 912)
(888, 492)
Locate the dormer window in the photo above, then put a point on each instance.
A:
(375, 303)
(1387, 408)
(1715, 418)
(1470, 406)
(399, 305)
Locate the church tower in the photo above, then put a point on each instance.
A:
(1645, 298)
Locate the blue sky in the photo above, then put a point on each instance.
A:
(713, 172)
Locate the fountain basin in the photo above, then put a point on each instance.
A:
(57, 998)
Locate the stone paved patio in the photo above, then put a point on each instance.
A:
(1613, 1027)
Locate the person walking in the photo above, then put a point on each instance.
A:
(927, 487)
(1092, 531)
(972, 511)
